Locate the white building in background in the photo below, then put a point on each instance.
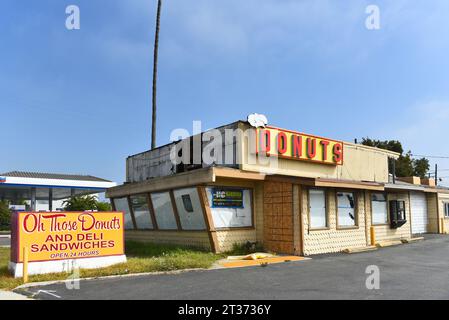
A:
(47, 191)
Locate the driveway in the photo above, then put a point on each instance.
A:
(412, 271)
(4, 241)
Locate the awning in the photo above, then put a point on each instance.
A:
(17, 185)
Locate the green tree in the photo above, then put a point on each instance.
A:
(421, 167)
(80, 203)
(392, 145)
(104, 206)
(406, 166)
(5, 215)
(85, 203)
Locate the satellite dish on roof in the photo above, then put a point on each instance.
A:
(257, 120)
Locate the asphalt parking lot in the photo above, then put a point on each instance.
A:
(412, 271)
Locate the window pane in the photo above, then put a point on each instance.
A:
(317, 208)
(141, 211)
(379, 208)
(189, 209)
(346, 209)
(229, 210)
(121, 204)
(163, 210)
(401, 210)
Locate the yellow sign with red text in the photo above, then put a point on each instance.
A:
(66, 235)
(298, 146)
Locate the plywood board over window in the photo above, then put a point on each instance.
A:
(318, 209)
(379, 209)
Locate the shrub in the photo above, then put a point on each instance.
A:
(5, 216)
(246, 248)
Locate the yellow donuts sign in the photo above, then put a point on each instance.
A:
(293, 145)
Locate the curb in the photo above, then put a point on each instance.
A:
(47, 283)
(214, 267)
(411, 240)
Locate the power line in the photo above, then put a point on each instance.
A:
(439, 170)
(435, 157)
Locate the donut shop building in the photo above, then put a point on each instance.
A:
(285, 190)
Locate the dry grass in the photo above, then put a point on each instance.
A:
(142, 257)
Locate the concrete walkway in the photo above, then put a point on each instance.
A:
(8, 295)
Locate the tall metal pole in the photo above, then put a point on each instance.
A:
(155, 61)
(436, 173)
(50, 199)
(33, 199)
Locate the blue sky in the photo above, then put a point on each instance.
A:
(80, 101)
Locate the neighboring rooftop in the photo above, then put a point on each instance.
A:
(55, 176)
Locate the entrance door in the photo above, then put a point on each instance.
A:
(418, 204)
(278, 217)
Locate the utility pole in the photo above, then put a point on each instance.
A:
(155, 62)
(436, 173)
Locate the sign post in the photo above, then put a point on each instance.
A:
(25, 265)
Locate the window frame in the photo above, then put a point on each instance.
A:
(178, 217)
(356, 210)
(131, 213)
(204, 203)
(387, 203)
(209, 206)
(153, 213)
(149, 211)
(326, 203)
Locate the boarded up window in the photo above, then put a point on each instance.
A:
(379, 208)
(189, 208)
(317, 207)
(346, 209)
(231, 208)
(163, 211)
